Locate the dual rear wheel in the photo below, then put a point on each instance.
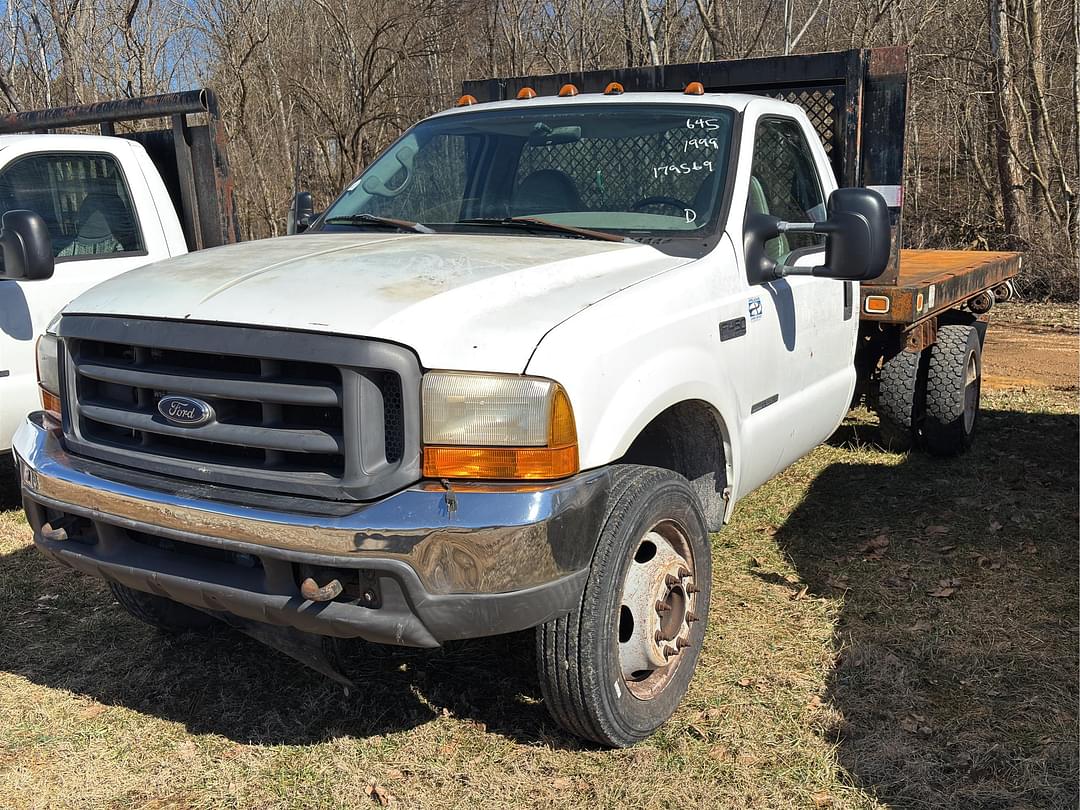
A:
(931, 398)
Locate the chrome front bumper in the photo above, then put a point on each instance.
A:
(474, 561)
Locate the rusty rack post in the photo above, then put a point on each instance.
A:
(192, 159)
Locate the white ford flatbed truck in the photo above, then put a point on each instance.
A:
(111, 204)
(511, 378)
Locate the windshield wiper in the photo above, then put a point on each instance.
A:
(372, 219)
(535, 224)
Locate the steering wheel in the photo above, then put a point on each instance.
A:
(661, 199)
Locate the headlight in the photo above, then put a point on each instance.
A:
(488, 426)
(48, 373)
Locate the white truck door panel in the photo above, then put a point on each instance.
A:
(93, 199)
(805, 330)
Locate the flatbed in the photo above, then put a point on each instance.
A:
(930, 282)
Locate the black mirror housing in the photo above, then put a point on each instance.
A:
(301, 212)
(26, 245)
(859, 235)
(858, 240)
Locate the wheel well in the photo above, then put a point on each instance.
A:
(687, 438)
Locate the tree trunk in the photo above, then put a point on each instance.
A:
(1003, 113)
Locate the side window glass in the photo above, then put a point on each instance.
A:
(82, 198)
(784, 183)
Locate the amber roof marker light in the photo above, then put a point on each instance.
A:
(466, 101)
(614, 89)
(694, 89)
(568, 90)
(525, 93)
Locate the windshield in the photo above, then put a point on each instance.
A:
(650, 172)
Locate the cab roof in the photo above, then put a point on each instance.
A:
(735, 101)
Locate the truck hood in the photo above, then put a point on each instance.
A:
(465, 301)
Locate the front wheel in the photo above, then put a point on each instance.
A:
(616, 668)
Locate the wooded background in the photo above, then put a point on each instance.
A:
(993, 141)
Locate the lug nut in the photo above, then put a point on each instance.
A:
(658, 637)
(693, 589)
(671, 581)
(669, 651)
(681, 643)
(662, 606)
(683, 573)
(691, 617)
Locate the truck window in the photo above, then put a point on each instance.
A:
(83, 198)
(784, 183)
(427, 183)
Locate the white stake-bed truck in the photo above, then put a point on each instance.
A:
(511, 378)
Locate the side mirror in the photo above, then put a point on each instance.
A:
(857, 246)
(27, 248)
(301, 212)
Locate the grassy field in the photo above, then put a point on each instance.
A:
(887, 630)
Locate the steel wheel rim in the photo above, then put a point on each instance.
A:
(656, 609)
(971, 392)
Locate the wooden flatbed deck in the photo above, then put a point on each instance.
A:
(931, 281)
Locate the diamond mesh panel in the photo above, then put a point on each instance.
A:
(613, 174)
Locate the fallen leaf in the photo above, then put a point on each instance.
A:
(721, 753)
(988, 564)
(745, 683)
(711, 714)
(746, 759)
(791, 579)
(757, 562)
(561, 783)
(814, 702)
(822, 799)
(801, 593)
(91, 711)
(937, 529)
(698, 732)
(943, 592)
(379, 795)
(394, 773)
(995, 527)
(947, 549)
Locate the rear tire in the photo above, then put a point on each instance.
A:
(953, 389)
(616, 668)
(159, 612)
(898, 400)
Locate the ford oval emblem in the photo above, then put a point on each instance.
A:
(186, 411)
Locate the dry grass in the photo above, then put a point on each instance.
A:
(832, 678)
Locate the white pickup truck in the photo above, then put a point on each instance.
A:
(511, 378)
(107, 210)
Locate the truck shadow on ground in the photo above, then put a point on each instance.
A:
(955, 682)
(967, 700)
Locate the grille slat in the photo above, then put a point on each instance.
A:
(296, 441)
(288, 415)
(183, 382)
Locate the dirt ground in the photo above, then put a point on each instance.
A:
(1032, 346)
(887, 630)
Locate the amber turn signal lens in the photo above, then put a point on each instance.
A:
(694, 89)
(525, 93)
(466, 101)
(614, 89)
(50, 402)
(877, 304)
(568, 90)
(506, 463)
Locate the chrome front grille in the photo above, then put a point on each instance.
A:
(314, 415)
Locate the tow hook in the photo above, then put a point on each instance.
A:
(58, 533)
(311, 591)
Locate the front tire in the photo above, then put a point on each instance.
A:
(616, 668)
